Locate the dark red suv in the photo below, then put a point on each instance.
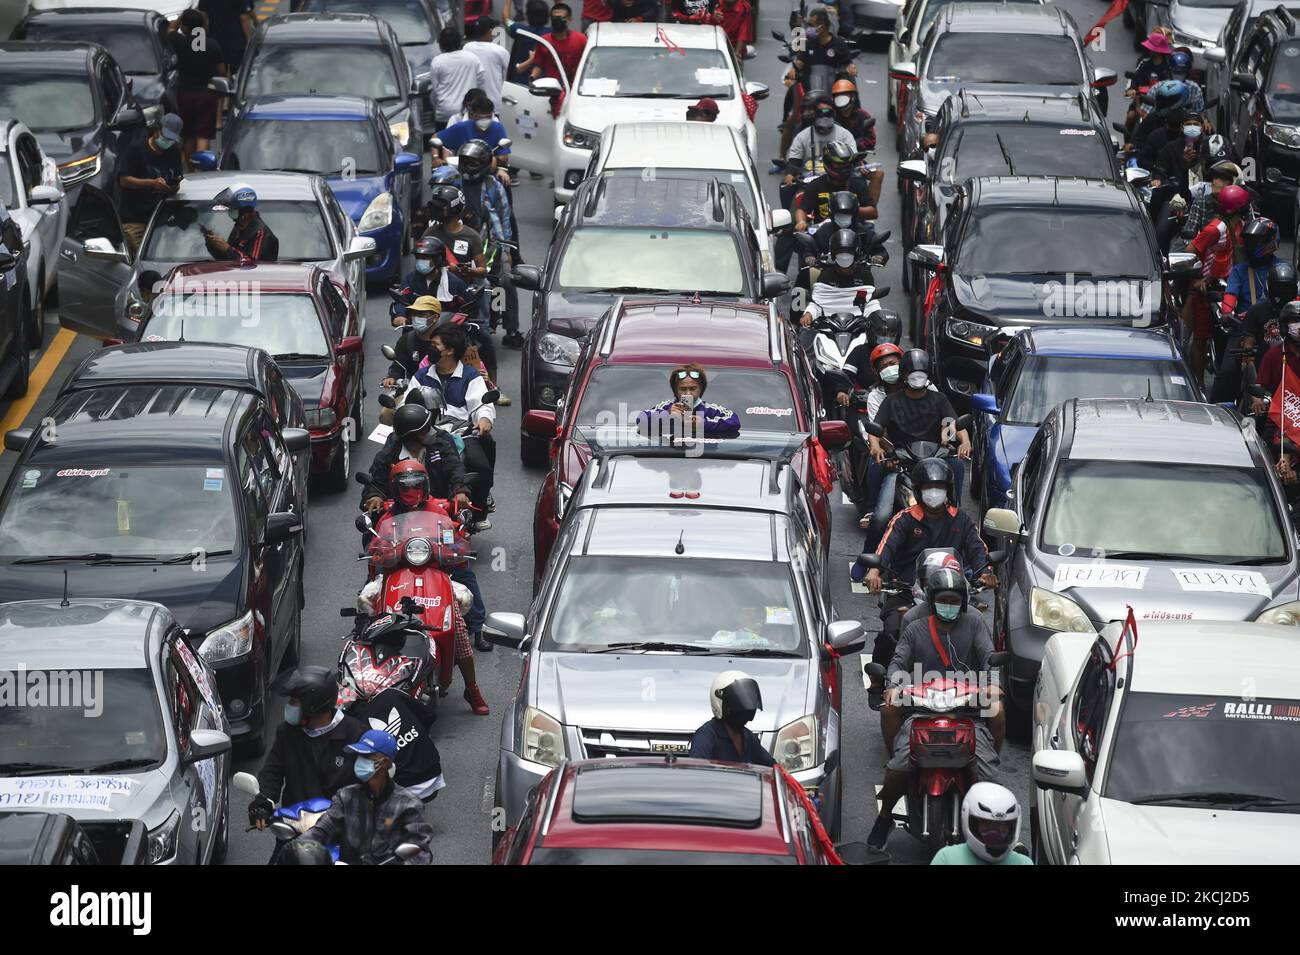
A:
(754, 367)
(665, 811)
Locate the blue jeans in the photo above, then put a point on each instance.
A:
(884, 502)
(478, 612)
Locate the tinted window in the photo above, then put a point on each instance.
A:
(618, 393)
(1046, 382)
(1286, 72)
(656, 72)
(675, 260)
(177, 231)
(984, 149)
(1092, 699)
(282, 324)
(8, 194)
(737, 180)
(325, 146)
(1029, 241)
(408, 18)
(316, 69)
(983, 58)
(47, 103)
(95, 216)
(130, 45)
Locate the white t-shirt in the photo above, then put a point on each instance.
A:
(495, 61)
(453, 75)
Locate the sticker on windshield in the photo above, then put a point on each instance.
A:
(775, 412)
(153, 338)
(944, 79)
(82, 472)
(782, 616)
(1283, 712)
(1078, 132)
(1191, 712)
(31, 477)
(136, 738)
(124, 517)
(713, 76)
(1290, 51)
(213, 484)
(598, 86)
(214, 472)
(1099, 575)
(737, 177)
(63, 792)
(1223, 582)
(1065, 550)
(1178, 380)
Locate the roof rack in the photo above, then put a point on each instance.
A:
(629, 441)
(607, 337)
(1286, 17)
(715, 197)
(773, 332)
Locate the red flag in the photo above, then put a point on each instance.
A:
(751, 105)
(1114, 10)
(1284, 409)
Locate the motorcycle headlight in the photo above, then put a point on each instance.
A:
(1054, 612)
(79, 170)
(972, 333)
(562, 495)
(580, 138)
(557, 349)
(378, 214)
(321, 418)
(795, 747)
(1287, 614)
(1288, 136)
(418, 551)
(543, 738)
(234, 639)
(162, 841)
(401, 132)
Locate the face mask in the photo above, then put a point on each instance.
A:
(934, 497)
(292, 714)
(824, 124)
(1293, 332)
(810, 32)
(424, 266)
(1192, 132)
(420, 323)
(363, 768)
(930, 153)
(837, 173)
(844, 260)
(842, 101)
(918, 380)
(738, 718)
(948, 612)
(559, 24)
(164, 143)
(234, 214)
(889, 375)
(411, 497)
(483, 124)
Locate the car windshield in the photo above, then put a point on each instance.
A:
(408, 18)
(737, 180)
(1285, 81)
(715, 605)
(156, 511)
(230, 313)
(176, 233)
(1214, 751)
(1056, 241)
(618, 393)
(987, 149)
(1110, 507)
(329, 147)
(564, 855)
(1044, 383)
(933, 8)
(1039, 59)
(130, 46)
(672, 260)
(283, 68)
(62, 736)
(656, 72)
(45, 103)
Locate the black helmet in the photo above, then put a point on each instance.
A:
(304, 852)
(410, 419)
(317, 688)
(844, 242)
(473, 160)
(839, 157)
(915, 361)
(1260, 238)
(431, 247)
(930, 471)
(1281, 283)
(945, 580)
(446, 202)
(1290, 313)
(844, 210)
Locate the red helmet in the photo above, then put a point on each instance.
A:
(1233, 199)
(884, 349)
(409, 482)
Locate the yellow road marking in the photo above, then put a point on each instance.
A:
(40, 377)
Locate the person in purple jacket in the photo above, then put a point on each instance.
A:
(695, 415)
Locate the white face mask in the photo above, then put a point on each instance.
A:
(918, 379)
(841, 102)
(930, 153)
(934, 497)
(844, 259)
(889, 375)
(483, 124)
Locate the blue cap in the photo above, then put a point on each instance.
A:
(375, 742)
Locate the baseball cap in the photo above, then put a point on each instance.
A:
(707, 105)
(375, 742)
(426, 303)
(171, 128)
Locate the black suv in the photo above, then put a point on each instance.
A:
(179, 493)
(1019, 252)
(631, 235)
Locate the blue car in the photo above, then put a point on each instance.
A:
(1042, 367)
(346, 139)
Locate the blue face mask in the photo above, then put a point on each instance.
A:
(420, 324)
(948, 612)
(363, 768)
(292, 714)
(424, 266)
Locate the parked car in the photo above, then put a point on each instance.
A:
(1114, 509)
(15, 309)
(138, 40)
(134, 730)
(33, 196)
(646, 811)
(298, 317)
(344, 139)
(1194, 24)
(146, 484)
(1228, 54)
(55, 838)
(669, 569)
(171, 9)
(1147, 752)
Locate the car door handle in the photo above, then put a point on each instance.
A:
(1056, 741)
(1074, 839)
(509, 100)
(68, 254)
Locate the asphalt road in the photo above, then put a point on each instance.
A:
(461, 814)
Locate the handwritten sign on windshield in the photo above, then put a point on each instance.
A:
(1099, 575)
(1224, 581)
(63, 792)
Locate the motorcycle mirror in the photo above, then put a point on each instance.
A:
(964, 423)
(869, 560)
(997, 556)
(387, 401)
(777, 36)
(362, 478)
(491, 397)
(347, 611)
(407, 850)
(873, 429)
(246, 783)
(388, 352)
(880, 293)
(1000, 659)
(875, 670)
(362, 523)
(869, 124)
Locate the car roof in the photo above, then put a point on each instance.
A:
(268, 276)
(673, 145)
(974, 106)
(231, 366)
(661, 202)
(1120, 429)
(88, 633)
(203, 186)
(1102, 342)
(725, 335)
(1188, 658)
(47, 56)
(685, 805)
(309, 106)
(1005, 18)
(1053, 190)
(690, 36)
(322, 27)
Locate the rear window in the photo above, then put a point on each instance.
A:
(616, 394)
(1013, 58)
(737, 180)
(986, 149)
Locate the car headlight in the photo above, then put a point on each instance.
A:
(972, 333)
(227, 642)
(79, 170)
(162, 841)
(321, 418)
(795, 746)
(1287, 614)
(401, 131)
(580, 138)
(543, 738)
(378, 214)
(557, 349)
(1288, 136)
(1054, 612)
(418, 551)
(562, 495)
(1195, 43)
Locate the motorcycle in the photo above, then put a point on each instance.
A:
(903, 458)
(287, 822)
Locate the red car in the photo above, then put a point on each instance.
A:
(300, 317)
(666, 811)
(754, 367)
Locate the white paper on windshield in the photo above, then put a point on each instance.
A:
(780, 616)
(713, 76)
(1099, 575)
(599, 86)
(63, 792)
(1224, 582)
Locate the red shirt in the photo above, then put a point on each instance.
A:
(569, 47)
(1215, 245)
(737, 22)
(1269, 375)
(598, 11)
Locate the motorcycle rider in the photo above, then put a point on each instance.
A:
(250, 239)
(430, 277)
(1269, 376)
(487, 209)
(1150, 70)
(414, 345)
(1154, 131)
(1216, 245)
(951, 643)
(734, 698)
(990, 821)
(809, 145)
(1248, 280)
(372, 817)
(847, 268)
(687, 411)
(815, 202)
(1205, 202)
(415, 437)
(1259, 331)
(885, 362)
(1180, 68)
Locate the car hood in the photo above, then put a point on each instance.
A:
(308, 378)
(1205, 23)
(1111, 586)
(594, 113)
(664, 692)
(147, 88)
(1179, 835)
(102, 797)
(1013, 441)
(76, 144)
(1048, 300)
(573, 313)
(355, 194)
(198, 601)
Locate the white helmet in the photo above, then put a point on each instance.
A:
(990, 821)
(734, 691)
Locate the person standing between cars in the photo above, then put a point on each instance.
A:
(150, 170)
(686, 411)
(704, 111)
(232, 23)
(568, 46)
(251, 240)
(735, 699)
(537, 16)
(494, 57)
(634, 11)
(199, 57)
(990, 824)
(453, 73)
(736, 17)
(596, 11)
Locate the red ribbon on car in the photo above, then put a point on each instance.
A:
(1114, 10)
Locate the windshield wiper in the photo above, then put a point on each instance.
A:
(621, 289)
(298, 355)
(652, 96)
(639, 647)
(1011, 167)
(1146, 555)
(133, 762)
(32, 769)
(755, 652)
(309, 172)
(1226, 798)
(204, 554)
(1250, 561)
(57, 557)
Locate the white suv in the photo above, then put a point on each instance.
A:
(629, 72)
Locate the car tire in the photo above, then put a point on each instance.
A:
(222, 848)
(36, 315)
(23, 360)
(337, 477)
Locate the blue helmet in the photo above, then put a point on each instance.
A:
(444, 174)
(238, 196)
(1180, 64)
(1169, 95)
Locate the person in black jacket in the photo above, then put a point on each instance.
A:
(734, 698)
(410, 721)
(415, 437)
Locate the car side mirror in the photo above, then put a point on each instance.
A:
(774, 284)
(546, 87)
(504, 143)
(913, 170)
(1136, 176)
(540, 424)
(757, 90)
(527, 277)
(926, 255)
(44, 195)
(834, 435)
(845, 636)
(1003, 522)
(359, 247)
(280, 526)
(423, 84)
(986, 403)
(296, 439)
(1181, 264)
(220, 85)
(1216, 54)
(125, 118)
(1103, 76)
(351, 345)
(1061, 770)
(101, 248)
(205, 160)
(205, 744)
(17, 439)
(407, 162)
(781, 219)
(1244, 83)
(505, 629)
(904, 72)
